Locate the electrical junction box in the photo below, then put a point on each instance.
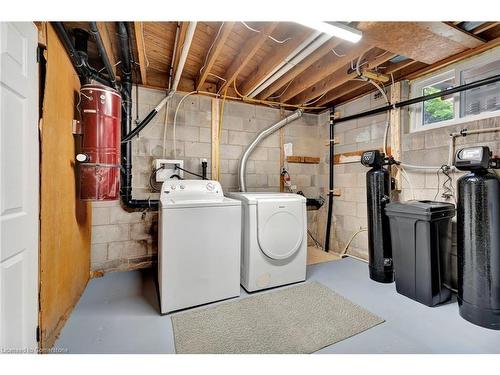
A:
(169, 169)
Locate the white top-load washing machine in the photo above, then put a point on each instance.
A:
(274, 239)
(199, 244)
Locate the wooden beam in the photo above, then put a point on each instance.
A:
(106, 41)
(281, 52)
(416, 40)
(337, 78)
(395, 124)
(334, 93)
(455, 58)
(215, 139)
(325, 48)
(246, 53)
(485, 26)
(322, 69)
(141, 47)
(217, 44)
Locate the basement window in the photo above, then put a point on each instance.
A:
(476, 104)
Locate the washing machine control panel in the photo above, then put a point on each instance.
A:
(191, 189)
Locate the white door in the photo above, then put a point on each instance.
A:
(18, 187)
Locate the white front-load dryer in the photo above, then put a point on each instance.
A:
(274, 239)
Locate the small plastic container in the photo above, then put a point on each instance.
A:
(421, 243)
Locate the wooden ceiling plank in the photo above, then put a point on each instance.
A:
(485, 26)
(334, 93)
(455, 58)
(247, 52)
(214, 52)
(322, 69)
(337, 78)
(263, 70)
(416, 40)
(141, 47)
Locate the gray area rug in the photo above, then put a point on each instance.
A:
(298, 319)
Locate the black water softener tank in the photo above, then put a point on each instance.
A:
(378, 190)
(478, 237)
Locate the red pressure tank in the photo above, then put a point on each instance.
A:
(99, 157)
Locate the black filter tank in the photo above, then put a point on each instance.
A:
(478, 237)
(378, 190)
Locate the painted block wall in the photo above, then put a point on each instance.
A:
(420, 148)
(124, 240)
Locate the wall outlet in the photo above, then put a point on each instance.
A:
(168, 169)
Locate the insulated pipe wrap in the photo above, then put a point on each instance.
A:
(259, 138)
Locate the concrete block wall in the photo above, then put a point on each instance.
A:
(420, 148)
(124, 240)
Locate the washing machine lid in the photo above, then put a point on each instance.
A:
(254, 197)
(193, 193)
(280, 226)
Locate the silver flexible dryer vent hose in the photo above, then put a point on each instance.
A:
(261, 136)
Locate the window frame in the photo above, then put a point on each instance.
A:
(417, 86)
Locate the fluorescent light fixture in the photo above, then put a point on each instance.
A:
(335, 29)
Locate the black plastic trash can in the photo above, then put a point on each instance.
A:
(421, 244)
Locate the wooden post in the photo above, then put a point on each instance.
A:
(282, 151)
(395, 140)
(215, 139)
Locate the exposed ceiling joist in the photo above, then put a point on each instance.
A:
(455, 58)
(416, 40)
(335, 93)
(324, 49)
(263, 70)
(322, 69)
(337, 78)
(246, 53)
(141, 47)
(485, 26)
(217, 44)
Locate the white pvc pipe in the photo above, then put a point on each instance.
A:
(184, 53)
(287, 65)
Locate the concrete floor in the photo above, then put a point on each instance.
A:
(119, 314)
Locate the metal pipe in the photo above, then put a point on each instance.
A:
(104, 56)
(300, 53)
(420, 99)
(330, 183)
(258, 138)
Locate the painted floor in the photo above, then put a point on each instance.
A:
(118, 313)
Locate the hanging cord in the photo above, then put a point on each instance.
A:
(175, 121)
(154, 184)
(448, 190)
(211, 46)
(316, 242)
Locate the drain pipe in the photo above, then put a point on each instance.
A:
(260, 137)
(326, 247)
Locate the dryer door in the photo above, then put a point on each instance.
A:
(280, 227)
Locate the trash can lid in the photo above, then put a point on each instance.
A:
(421, 209)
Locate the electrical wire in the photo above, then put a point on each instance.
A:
(175, 121)
(284, 90)
(337, 54)
(211, 46)
(269, 36)
(189, 172)
(316, 242)
(152, 185)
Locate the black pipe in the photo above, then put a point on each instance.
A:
(126, 148)
(420, 99)
(104, 56)
(79, 58)
(330, 183)
(204, 165)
